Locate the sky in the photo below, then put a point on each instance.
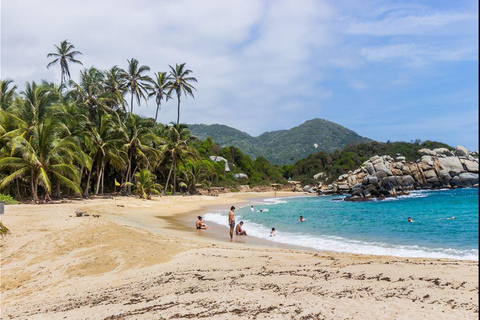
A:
(388, 70)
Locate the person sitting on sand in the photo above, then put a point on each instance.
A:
(239, 231)
(301, 219)
(410, 219)
(200, 224)
(272, 233)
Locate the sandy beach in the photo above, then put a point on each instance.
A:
(137, 260)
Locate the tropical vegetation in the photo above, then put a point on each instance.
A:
(81, 138)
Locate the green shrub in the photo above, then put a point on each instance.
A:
(7, 199)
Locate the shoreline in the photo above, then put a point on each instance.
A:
(130, 264)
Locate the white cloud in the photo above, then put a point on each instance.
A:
(261, 65)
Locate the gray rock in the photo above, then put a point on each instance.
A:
(443, 151)
(218, 159)
(239, 176)
(343, 187)
(373, 180)
(469, 179)
(380, 175)
(452, 165)
(408, 181)
(431, 176)
(426, 152)
(428, 160)
(400, 158)
(444, 175)
(471, 166)
(370, 168)
(461, 151)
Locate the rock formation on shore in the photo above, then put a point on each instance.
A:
(383, 176)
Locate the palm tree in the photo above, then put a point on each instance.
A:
(145, 184)
(105, 144)
(91, 93)
(116, 86)
(136, 82)
(39, 145)
(179, 83)
(6, 94)
(177, 148)
(159, 89)
(139, 147)
(64, 55)
(43, 156)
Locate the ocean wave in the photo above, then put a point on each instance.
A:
(339, 244)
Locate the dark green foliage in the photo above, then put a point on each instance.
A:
(352, 157)
(283, 146)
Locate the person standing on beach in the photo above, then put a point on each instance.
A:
(231, 221)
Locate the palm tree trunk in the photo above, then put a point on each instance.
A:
(87, 188)
(169, 174)
(103, 178)
(178, 116)
(131, 104)
(174, 175)
(17, 189)
(99, 177)
(156, 116)
(129, 171)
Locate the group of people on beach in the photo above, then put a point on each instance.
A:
(235, 228)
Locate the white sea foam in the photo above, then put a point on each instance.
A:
(339, 244)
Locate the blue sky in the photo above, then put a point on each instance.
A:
(389, 70)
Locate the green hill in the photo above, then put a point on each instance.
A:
(283, 146)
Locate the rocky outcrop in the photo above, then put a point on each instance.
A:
(239, 176)
(383, 176)
(218, 159)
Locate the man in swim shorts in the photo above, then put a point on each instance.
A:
(231, 221)
(200, 224)
(239, 231)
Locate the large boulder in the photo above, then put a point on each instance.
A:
(452, 165)
(469, 179)
(443, 151)
(426, 152)
(239, 176)
(461, 151)
(370, 168)
(471, 166)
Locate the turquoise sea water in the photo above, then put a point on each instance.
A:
(375, 227)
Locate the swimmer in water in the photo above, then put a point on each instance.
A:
(251, 209)
(272, 233)
(410, 219)
(301, 219)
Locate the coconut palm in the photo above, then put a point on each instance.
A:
(39, 145)
(176, 149)
(136, 82)
(42, 157)
(159, 89)
(145, 184)
(180, 83)
(139, 146)
(7, 94)
(65, 54)
(105, 145)
(90, 92)
(36, 104)
(115, 85)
